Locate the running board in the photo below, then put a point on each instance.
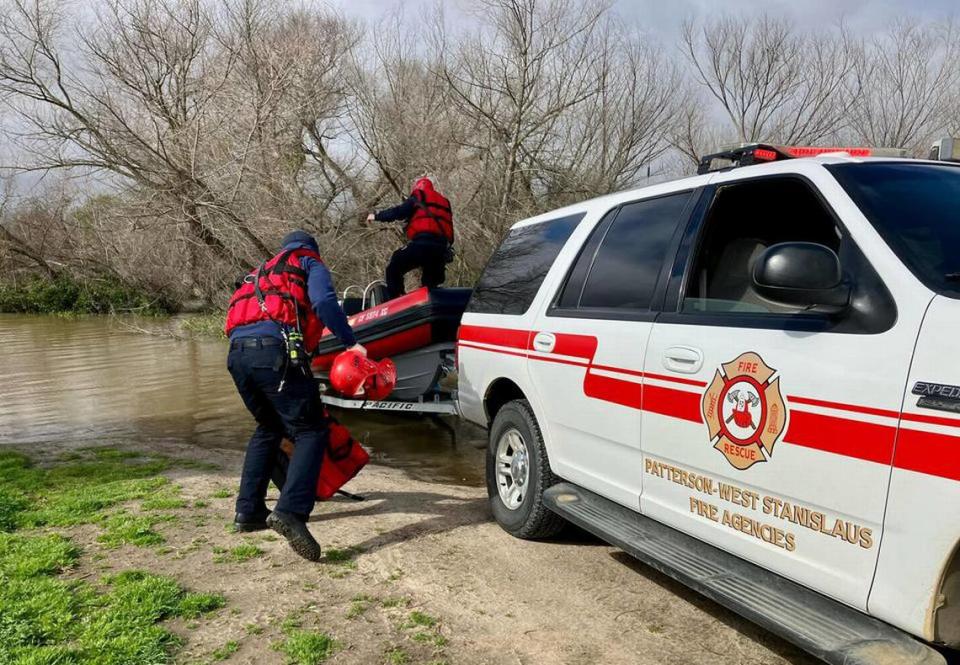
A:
(823, 627)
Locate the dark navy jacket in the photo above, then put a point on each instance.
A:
(402, 211)
(323, 300)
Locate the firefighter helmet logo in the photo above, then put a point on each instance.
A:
(744, 410)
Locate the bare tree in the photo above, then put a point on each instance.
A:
(772, 82)
(185, 101)
(906, 84)
(507, 80)
(133, 115)
(614, 137)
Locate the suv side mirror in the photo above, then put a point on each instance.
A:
(802, 274)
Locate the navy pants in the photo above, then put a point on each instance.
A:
(257, 366)
(428, 254)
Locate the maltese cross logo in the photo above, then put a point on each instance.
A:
(744, 410)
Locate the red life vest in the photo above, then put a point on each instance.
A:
(283, 285)
(431, 214)
(343, 460)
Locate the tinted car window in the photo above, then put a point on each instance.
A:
(573, 286)
(623, 272)
(916, 208)
(514, 273)
(735, 236)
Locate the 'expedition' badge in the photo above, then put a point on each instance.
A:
(744, 411)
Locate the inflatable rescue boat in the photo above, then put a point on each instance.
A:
(418, 331)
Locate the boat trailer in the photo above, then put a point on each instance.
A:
(437, 405)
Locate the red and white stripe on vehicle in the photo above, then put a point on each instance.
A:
(910, 441)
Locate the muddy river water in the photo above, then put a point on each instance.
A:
(97, 381)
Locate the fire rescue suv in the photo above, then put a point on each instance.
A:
(746, 379)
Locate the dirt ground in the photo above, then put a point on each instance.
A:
(422, 575)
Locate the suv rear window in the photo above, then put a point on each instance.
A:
(915, 207)
(514, 273)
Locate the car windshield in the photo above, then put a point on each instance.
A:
(916, 208)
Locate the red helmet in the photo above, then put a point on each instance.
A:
(355, 375)
(423, 183)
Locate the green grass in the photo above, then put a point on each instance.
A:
(358, 605)
(238, 554)
(123, 528)
(397, 656)
(196, 605)
(75, 493)
(23, 556)
(307, 647)
(11, 505)
(420, 619)
(427, 629)
(395, 601)
(435, 639)
(344, 557)
(225, 651)
(48, 620)
(222, 493)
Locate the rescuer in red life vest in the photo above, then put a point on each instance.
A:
(275, 319)
(429, 230)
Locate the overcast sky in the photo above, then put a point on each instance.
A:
(864, 16)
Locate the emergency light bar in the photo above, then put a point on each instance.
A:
(746, 154)
(946, 150)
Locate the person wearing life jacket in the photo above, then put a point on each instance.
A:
(429, 230)
(274, 320)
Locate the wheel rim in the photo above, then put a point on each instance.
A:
(513, 468)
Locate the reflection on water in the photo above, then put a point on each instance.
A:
(97, 381)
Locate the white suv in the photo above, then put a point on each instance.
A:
(748, 380)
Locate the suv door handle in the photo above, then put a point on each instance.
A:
(544, 341)
(683, 359)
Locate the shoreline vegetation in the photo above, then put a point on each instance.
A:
(207, 324)
(68, 297)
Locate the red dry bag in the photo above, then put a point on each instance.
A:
(342, 461)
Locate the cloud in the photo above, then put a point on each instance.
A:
(656, 16)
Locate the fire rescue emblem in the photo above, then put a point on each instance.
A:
(744, 411)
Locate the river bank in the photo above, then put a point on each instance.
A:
(66, 297)
(64, 294)
(417, 573)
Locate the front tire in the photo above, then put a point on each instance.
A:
(518, 473)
